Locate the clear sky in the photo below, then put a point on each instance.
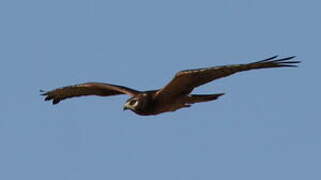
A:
(266, 127)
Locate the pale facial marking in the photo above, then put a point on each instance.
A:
(133, 103)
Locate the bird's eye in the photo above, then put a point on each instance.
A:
(133, 103)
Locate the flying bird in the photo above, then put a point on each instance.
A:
(173, 96)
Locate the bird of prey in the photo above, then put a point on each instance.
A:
(173, 96)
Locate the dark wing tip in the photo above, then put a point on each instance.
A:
(283, 62)
(221, 94)
(55, 101)
(43, 92)
(49, 97)
(291, 57)
(268, 59)
(273, 59)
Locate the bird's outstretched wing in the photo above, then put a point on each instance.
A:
(185, 81)
(86, 89)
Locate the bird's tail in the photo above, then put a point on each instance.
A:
(197, 98)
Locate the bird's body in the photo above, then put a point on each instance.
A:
(152, 106)
(175, 95)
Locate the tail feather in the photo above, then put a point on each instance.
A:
(197, 98)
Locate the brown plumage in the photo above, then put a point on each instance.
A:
(175, 95)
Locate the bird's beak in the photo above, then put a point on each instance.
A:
(126, 107)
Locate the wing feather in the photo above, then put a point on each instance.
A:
(185, 81)
(86, 89)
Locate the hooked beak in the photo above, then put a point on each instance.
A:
(126, 107)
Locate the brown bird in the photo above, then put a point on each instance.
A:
(175, 95)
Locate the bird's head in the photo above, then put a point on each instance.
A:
(132, 104)
(137, 104)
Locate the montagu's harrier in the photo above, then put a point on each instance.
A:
(175, 95)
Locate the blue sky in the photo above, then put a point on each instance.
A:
(267, 126)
